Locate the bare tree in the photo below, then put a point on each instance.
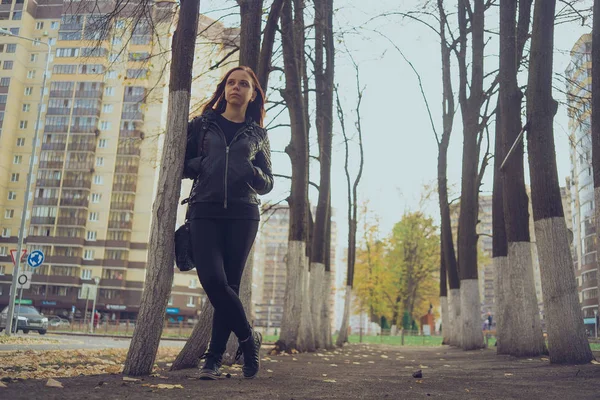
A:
(324, 73)
(297, 150)
(159, 273)
(352, 203)
(566, 336)
(520, 318)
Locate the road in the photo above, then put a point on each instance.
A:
(68, 342)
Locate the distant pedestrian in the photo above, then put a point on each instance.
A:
(229, 158)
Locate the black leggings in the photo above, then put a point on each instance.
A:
(221, 247)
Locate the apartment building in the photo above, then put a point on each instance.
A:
(96, 168)
(581, 181)
(270, 268)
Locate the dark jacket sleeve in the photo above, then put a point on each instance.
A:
(192, 158)
(263, 179)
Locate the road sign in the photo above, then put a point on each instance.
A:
(24, 280)
(35, 259)
(13, 255)
(25, 302)
(88, 291)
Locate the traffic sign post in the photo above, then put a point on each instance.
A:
(24, 281)
(35, 258)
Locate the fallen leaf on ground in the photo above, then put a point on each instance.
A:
(294, 359)
(419, 381)
(128, 379)
(595, 362)
(329, 380)
(446, 365)
(54, 383)
(333, 365)
(384, 356)
(269, 370)
(544, 359)
(2, 385)
(164, 386)
(371, 362)
(508, 374)
(423, 366)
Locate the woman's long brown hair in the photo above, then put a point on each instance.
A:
(256, 108)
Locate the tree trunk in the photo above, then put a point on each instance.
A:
(596, 123)
(306, 337)
(251, 17)
(343, 334)
(159, 273)
(455, 317)
(297, 150)
(522, 319)
(471, 337)
(327, 339)
(197, 343)
(317, 277)
(444, 300)
(566, 335)
(324, 72)
(448, 255)
(266, 51)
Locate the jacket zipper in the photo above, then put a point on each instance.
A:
(227, 156)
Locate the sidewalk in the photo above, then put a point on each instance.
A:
(354, 372)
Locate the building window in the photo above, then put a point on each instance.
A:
(98, 179)
(4, 82)
(91, 235)
(33, 58)
(26, 107)
(102, 143)
(11, 48)
(2, 272)
(14, 177)
(12, 195)
(99, 161)
(193, 284)
(7, 65)
(5, 232)
(170, 300)
(3, 252)
(93, 216)
(105, 125)
(111, 75)
(54, 25)
(39, 25)
(107, 108)
(96, 197)
(9, 214)
(17, 159)
(109, 91)
(28, 91)
(23, 125)
(86, 274)
(17, 16)
(88, 255)
(191, 301)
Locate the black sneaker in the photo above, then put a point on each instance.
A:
(250, 348)
(212, 366)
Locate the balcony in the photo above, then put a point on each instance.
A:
(43, 220)
(132, 115)
(51, 164)
(126, 169)
(83, 128)
(54, 146)
(42, 201)
(82, 146)
(88, 94)
(71, 26)
(48, 182)
(77, 183)
(87, 111)
(124, 187)
(58, 111)
(61, 93)
(128, 151)
(74, 202)
(134, 98)
(125, 225)
(71, 221)
(134, 133)
(590, 283)
(124, 206)
(56, 128)
(79, 165)
(112, 282)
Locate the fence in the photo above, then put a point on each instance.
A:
(171, 329)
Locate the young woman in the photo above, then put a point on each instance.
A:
(229, 158)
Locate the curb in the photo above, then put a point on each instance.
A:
(108, 336)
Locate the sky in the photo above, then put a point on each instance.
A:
(399, 146)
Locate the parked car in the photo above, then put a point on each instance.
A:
(30, 319)
(56, 322)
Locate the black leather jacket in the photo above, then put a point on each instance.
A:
(237, 173)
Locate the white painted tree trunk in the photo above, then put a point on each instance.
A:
(343, 335)
(470, 311)
(502, 305)
(454, 317)
(327, 338)
(306, 336)
(523, 320)
(445, 320)
(566, 334)
(292, 305)
(317, 300)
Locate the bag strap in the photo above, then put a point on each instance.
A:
(203, 130)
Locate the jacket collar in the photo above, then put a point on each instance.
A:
(211, 115)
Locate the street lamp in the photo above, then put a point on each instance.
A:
(97, 280)
(34, 145)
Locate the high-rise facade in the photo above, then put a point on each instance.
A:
(581, 181)
(100, 143)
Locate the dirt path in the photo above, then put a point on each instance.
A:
(355, 372)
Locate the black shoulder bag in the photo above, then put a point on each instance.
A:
(184, 257)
